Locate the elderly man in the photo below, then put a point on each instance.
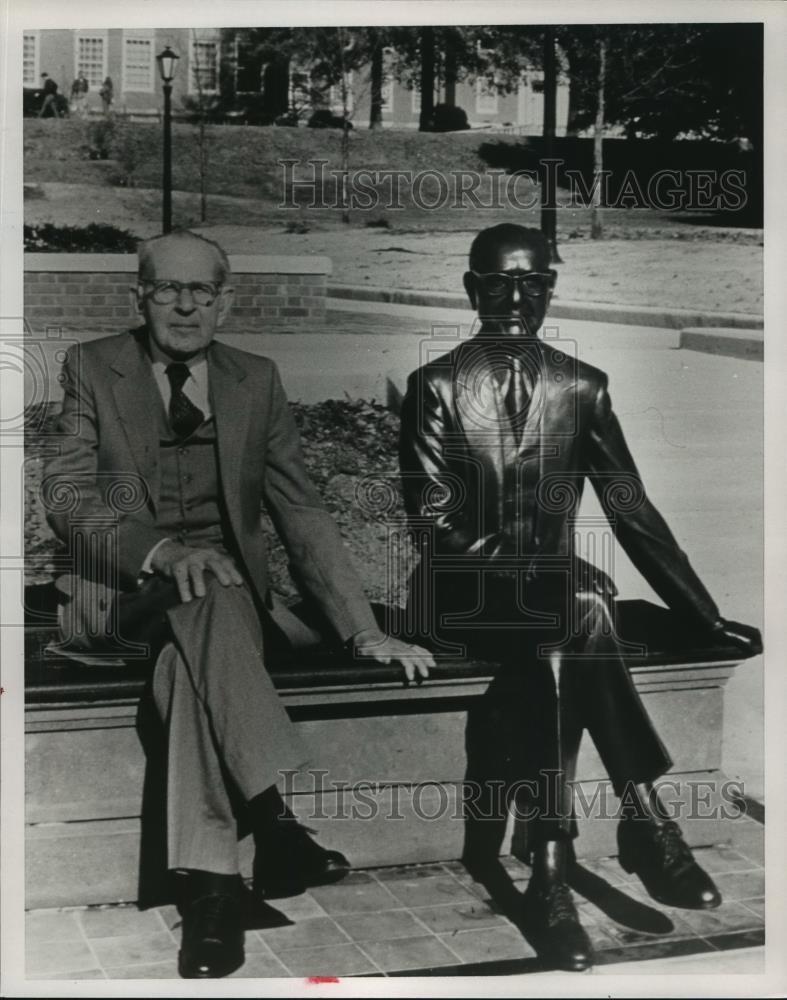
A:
(169, 444)
(497, 438)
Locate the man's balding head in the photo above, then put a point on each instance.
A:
(184, 245)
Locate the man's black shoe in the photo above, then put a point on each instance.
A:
(297, 864)
(212, 933)
(551, 924)
(287, 861)
(662, 859)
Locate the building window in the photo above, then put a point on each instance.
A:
(138, 62)
(415, 100)
(91, 58)
(386, 95)
(300, 92)
(485, 97)
(204, 64)
(248, 68)
(335, 96)
(30, 59)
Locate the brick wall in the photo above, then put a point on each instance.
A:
(91, 292)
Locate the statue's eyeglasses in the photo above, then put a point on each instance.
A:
(164, 293)
(531, 284)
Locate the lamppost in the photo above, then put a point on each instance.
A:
(167, 61)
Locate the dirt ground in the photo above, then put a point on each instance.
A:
(688, 267)
(670, 273)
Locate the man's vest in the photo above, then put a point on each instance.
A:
(190, 508)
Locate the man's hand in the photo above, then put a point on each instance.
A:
(384, 648)
(187, 567)
(745, 637)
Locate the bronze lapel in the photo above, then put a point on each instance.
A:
(480, 409)
(557, 430)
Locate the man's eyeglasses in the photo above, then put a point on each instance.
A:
(531, 284)
(164, 293)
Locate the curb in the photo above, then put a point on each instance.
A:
(732, 343)
(596, 312)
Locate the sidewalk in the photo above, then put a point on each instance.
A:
(429, 920)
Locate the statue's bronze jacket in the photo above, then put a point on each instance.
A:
(482, 492)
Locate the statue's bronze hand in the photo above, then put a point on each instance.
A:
(746, 637)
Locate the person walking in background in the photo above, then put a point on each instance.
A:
(79, 90)
(106, 94)
(50, 103)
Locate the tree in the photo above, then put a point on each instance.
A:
(548, 194)
(333, 57)
(663, 80)
(596, 226)
(347, 44)
(427, 79)
(202, 108)
(450, 65)
(376, 72)
(447, 54)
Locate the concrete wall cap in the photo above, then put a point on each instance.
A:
(126, 263)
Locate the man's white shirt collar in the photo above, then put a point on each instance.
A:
(196, 385)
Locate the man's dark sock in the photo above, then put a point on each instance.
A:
(270, 816)
(191, 884)
(276, 829)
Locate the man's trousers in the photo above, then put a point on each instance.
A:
(228, 735)
(562, 672)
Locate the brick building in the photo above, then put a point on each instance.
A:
(128, 56)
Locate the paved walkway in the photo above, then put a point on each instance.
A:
(421, 920)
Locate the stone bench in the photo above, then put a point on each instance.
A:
(391, 759)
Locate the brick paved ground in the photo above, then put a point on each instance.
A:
(424, 919)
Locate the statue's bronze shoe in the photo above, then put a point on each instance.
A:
(662, 859)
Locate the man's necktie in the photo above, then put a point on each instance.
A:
(515, 397)
(184, 416)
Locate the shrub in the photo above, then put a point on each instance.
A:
(290, 119)
(323, 118)
(448, 118)
(131, 147)
(207, 108)
(101, 135)
(98, 237)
